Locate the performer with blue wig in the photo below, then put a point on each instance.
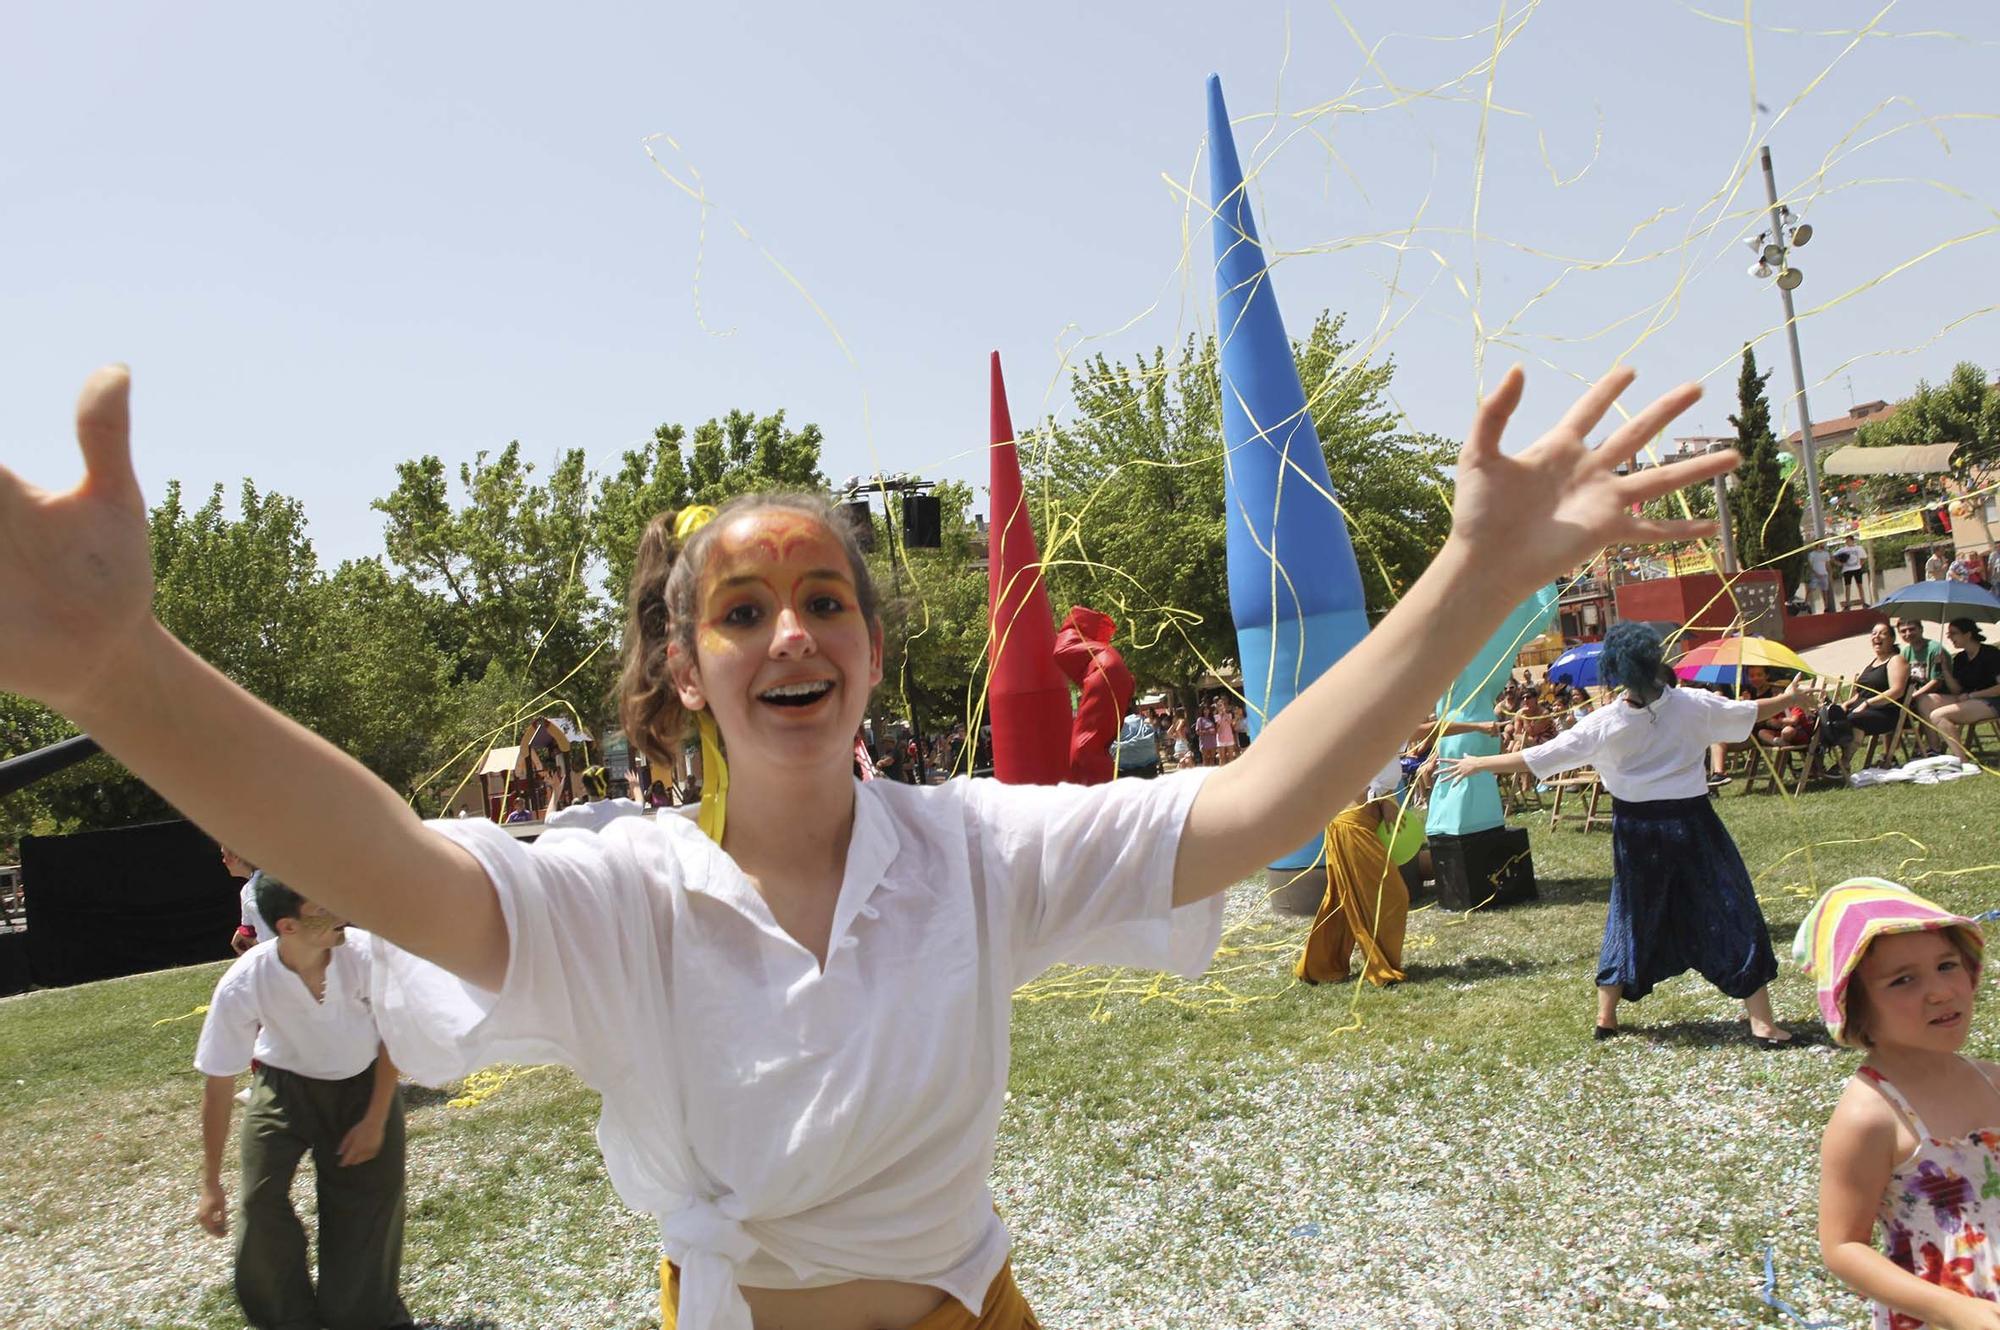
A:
(1681, 898)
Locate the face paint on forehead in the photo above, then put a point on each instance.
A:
(776, 548)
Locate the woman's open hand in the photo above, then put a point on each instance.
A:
(1535, 516)
(76, 573)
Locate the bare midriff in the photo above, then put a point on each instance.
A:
(859, 1304)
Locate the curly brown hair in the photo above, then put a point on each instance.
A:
(662, 609)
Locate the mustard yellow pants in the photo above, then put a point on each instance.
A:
(1004, 1309)
(1366, 904)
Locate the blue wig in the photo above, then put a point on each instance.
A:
(1633, 659)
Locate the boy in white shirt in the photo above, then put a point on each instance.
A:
(252, 929)
(299, 1005)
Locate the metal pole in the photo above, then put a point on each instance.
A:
(1725, 533)
(1816, 515)
(916, 732)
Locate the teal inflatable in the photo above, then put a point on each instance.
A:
(1459, 807)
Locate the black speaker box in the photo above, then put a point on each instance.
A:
(923, 522)
(1492, 867)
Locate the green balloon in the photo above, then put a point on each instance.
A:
(1786, 465)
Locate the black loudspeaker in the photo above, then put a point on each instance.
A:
(1484, 868)
(923, 522)
(861, 522)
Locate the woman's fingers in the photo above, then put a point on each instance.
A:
(1642, 531)
(1641, 429)
(104, 433)
(1655, 481)
(1582, 418)
(1494, 412)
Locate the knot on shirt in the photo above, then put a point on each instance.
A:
(709, 1245)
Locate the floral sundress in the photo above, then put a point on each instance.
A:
(1940, 1207)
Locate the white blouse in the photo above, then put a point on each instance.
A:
(791, 1127)
(1651, 752)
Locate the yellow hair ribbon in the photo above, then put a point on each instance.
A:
(691, 520)
(714, 779)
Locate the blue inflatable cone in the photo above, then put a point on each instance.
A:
(1461, 807)
(1294, 588)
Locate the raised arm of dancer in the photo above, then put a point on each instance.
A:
(1517, 523)
(76, 592)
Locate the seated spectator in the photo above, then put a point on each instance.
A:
(1755, 685)
(1879, 692)
(1974, 680)
(1533, 724)
(518, 811)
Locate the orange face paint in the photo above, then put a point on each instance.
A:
(765, 562)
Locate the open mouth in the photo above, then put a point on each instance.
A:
(797, 694)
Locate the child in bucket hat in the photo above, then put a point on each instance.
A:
(1914, 1143)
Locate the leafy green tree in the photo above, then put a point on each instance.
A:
(1764, 507)
(512, 565)
(934, 613)
(378, 681)
(1127, 498)
(1964, 409)
(739, 453)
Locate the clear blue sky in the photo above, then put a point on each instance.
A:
(332, 237)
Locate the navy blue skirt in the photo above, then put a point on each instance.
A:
(1680, 900)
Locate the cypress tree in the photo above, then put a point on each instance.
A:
(1763, 506)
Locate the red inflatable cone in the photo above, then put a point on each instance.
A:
(1026, 694)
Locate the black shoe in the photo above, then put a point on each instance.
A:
(1606, 1031)
(1768, 1044)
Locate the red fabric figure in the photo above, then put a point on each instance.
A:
(1085, 654)
(1025, 692)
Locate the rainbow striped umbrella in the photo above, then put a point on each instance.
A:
(1724, 660)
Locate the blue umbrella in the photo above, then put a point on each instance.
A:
(1577, 666)
(1944, 601)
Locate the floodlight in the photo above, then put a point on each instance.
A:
(1802, 233)
(1760, 269)
(1774, 253)
(1789, 279)
(1756, 242)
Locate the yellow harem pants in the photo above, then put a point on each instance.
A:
(1004, 1309)
(1366, 902)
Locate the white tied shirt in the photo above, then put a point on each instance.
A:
(263, 1009)
(789, 1127)
(1652, 752)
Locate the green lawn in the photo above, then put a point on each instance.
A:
(1242, 1152)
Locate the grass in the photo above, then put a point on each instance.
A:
(1241, 1152)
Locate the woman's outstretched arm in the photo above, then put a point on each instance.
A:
(76, 593)
(1517, 523)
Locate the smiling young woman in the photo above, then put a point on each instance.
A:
(795, 1011)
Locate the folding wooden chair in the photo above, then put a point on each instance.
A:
(1897, 746)
(1588, 790)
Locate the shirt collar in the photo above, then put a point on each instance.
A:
(872, 847)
